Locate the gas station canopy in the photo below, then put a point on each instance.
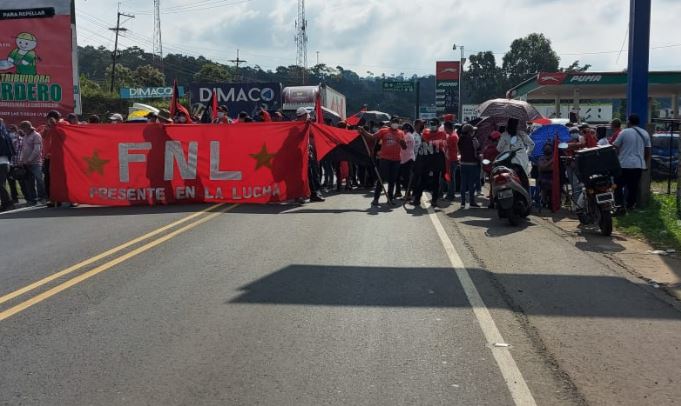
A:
(592, 85)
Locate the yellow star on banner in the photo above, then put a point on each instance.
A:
(95, 163)
(263, 158)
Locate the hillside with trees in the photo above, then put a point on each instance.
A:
(483, 78)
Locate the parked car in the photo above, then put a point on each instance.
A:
(664, 145)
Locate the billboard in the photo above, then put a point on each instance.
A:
(239, 97)
(447, 86)
(149, 92)
(37, 54)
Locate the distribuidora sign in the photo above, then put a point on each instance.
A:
(37, 54)
(149, 92)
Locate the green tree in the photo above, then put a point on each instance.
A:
(528, 56)
(212, 72)
(149, 76)
(484, 79)
(124, 77)
(576, 67)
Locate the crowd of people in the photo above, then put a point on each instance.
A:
(445, 158)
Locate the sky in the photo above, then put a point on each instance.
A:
(384, 36)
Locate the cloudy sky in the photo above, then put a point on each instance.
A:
(385, 36)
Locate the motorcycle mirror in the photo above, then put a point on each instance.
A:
(486, 162)
(563, 145)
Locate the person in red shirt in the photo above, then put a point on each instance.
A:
(392, 141)
(452, 158)
(616, 126)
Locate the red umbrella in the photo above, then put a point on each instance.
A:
(542, 121)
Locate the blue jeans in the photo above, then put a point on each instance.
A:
(34, 183)
(451, 189)
(469, 175)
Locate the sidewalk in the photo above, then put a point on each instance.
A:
(658, 268)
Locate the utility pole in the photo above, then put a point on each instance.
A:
(237, 61)
(317, 58)
(301, 40)
(158, 42)
(117, 30)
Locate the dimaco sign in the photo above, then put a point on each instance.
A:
(149, 92)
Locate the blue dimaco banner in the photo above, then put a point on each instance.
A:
(238, 97)
(149, 92)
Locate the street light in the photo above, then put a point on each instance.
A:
(461, 62)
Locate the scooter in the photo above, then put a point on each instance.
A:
(511, 197)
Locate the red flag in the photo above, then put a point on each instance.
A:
(214, 106)
(355, 118)
(318, 107)
(175, 106)
(129, 165)
(555, 180)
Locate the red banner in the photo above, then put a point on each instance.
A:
(36, 56)
(135, 164)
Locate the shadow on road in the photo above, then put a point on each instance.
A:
(550, 295)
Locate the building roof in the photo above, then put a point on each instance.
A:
(592, 85)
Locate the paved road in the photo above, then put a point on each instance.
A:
(329, 303)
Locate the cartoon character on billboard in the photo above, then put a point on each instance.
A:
(23, 57)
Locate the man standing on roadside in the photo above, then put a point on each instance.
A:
(633, 148)
(32, 159)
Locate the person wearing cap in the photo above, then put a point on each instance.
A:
(23, 57)
(392, 141)
(116, 118)
(94, 119)
(223, 116)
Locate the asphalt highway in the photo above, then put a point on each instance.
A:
(332, 303)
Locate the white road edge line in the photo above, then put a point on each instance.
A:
(514, 379)
(21, 209)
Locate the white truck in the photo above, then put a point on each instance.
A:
(333, 102)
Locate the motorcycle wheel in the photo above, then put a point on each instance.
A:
(606, 223)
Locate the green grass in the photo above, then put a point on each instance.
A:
(657, 223)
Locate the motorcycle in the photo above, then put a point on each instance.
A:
(509, 192)
(596, 200)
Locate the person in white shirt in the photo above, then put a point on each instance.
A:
(633, 149)
(407, 158)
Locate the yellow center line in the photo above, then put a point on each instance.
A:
(84, 276)
(103, 255)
